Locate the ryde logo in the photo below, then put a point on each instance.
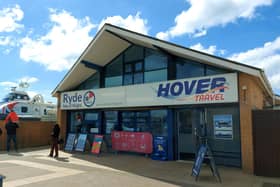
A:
(89, 98)
(77, 99)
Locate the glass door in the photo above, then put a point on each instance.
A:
(191, 126)
(111, 121)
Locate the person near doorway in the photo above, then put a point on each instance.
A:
(54, 141)
(11, 125)
(78, 123)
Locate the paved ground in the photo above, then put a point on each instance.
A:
(32, 168)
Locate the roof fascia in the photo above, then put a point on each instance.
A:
(99, 33)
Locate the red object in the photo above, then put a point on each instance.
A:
(141, 142)
(96, 145)
(12, 116)
(11, 105)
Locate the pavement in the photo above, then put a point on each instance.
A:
(33, 167)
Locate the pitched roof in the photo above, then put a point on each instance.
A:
(111, 40)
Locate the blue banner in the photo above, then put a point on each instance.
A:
(160, 151)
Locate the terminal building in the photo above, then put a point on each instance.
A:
(126, 81)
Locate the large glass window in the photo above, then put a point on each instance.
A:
(187, 69)
(111, 121)
(154, 60)
(155, 66)
(84, 122)
(76, 118)
(154, 76)
(92, 82)
(113, 81)
(136, 121)
(211, 70)
(91, 123)
(159, 122)
(113, 73)
(142, 121)
(134, 53)
(133, 73)
(128, 121)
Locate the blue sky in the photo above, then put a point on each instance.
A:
(40, 40)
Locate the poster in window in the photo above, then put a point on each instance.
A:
(223, 126)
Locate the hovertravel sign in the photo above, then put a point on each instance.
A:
(201, 90)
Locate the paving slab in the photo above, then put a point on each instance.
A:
(33, 167)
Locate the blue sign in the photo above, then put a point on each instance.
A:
(188, 87)
(81, 142)
(204, 150)
(160, 151)
(199, 159)
(70, 142)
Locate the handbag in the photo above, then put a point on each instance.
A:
(60, 141)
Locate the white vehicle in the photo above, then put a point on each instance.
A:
(27, 107)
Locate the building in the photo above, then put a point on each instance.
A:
(131, 82)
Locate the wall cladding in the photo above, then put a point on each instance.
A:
(29, 134)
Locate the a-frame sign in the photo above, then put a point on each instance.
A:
(205, 152)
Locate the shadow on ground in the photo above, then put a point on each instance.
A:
(176, 173)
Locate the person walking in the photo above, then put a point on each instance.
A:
(11, 125)
(54, 141)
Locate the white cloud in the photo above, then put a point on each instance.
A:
(266, 57)
(8, 84)
(134, 23)
(210, 50)
(9, 18)
(28, 79)
(59, 48)
(204, 14)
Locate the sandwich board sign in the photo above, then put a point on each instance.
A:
(80, 146)
(96, 145)
(70, 142)
(205, 152)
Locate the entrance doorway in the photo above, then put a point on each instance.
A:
(191, 124)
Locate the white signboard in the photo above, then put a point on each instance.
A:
(211, 89)
(223, 126)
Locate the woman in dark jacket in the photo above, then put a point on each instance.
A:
(54, 142)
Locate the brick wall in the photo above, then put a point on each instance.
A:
(250, 98)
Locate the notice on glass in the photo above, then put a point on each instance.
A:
(223, 126)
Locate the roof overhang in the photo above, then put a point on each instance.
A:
(110, 41)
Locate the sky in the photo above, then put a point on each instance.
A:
(40, 40)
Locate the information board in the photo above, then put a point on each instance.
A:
(160, 151)
(81, 142)
(70, 142)
(141, 142)
(96, 145)
(223, 126)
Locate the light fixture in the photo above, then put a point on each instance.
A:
(244, 88)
